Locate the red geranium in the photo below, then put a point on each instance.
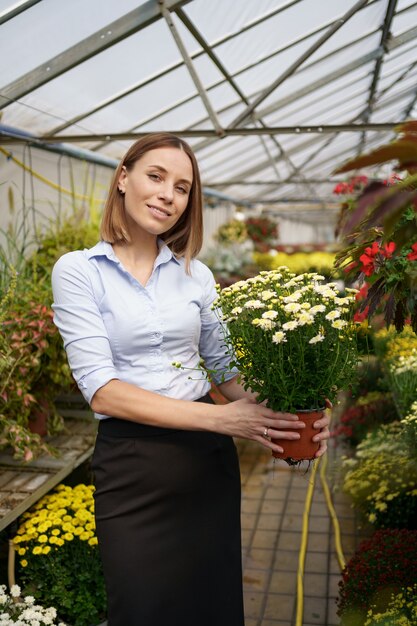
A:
(413, 255)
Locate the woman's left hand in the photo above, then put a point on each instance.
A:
(324, 434)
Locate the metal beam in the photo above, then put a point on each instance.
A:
(315, 85)
(172, 67)
(385, 36)
(204, 132)
(191, 69)
(259, 183)
(16, 9)
(217, 62)
(294, 66)
(188, 99)
(111, 34)
(394, 43)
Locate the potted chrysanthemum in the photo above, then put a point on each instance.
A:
(24, 611)
(58, 558)
(293, 341)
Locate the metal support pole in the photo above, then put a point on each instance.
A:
(194, 76)
(291, 70)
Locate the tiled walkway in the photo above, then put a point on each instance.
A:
(273, 499)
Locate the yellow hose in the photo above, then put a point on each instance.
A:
(335, 521)
(303, 547)
(45, 180)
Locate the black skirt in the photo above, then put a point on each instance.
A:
(167, 508)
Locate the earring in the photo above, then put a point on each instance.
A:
(121, 191)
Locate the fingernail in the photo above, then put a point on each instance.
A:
(316, 439)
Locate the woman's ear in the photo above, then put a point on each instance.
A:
(121, 184)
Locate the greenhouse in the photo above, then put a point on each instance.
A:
(208, 226)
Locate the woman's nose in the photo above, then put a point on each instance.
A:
(166, 192)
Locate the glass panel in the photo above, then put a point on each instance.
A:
(52, 26)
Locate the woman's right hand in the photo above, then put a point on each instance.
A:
(246, 419)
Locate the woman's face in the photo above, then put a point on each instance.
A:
(156, 190)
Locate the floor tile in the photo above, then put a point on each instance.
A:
(255, 579)
(283, 583)
(269, 521)
(286, 560)
(279, 607)
(253, 604)
(316, 562)
(289, 541)
(264, 539)
(315, 610)
(259, 559)
(315, 585)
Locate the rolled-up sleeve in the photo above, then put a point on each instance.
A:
(78, 318)
(212, 347)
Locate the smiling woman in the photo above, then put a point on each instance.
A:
(167, 499)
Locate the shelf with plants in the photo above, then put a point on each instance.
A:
(42, 438)
(379, 472)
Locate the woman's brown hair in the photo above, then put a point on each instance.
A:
(185, 238)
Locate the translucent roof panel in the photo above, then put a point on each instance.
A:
(272, 54)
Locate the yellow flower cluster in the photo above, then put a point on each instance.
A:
(401, 610)
(299, 262)
(233, 231)
(392, 345)
(378, 478)
(59, 517)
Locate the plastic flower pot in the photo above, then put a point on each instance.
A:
(304, 448)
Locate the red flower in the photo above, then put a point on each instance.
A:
(359, 317)
(389, 249)
(413, 255)
(368, 259)
(363, 292)
(350, 267)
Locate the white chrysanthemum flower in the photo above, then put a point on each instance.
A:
(306, 306)
(318, 308)
(15, 591)
(30, 600)
(305, 318)
(350, 290)
(254, 304)
(290, 325)
(317, 338)
(267, 295)
(278, 337)
(293, 297)
(269, 315)
(256, 321)
(237, 310)
(329, 293)
(338, 300)
(339, 324)
(292, 307)
(266, 324)
(332, 315)
(3, 598)
(289, 283)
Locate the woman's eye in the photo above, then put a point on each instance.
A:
(182, 190)
(154, 176)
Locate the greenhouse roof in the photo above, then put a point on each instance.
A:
(271, 94)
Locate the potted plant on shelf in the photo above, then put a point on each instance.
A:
(293, 340)
(379, 232)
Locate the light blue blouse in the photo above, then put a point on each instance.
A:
(113, 327)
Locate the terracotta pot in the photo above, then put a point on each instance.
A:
(304, 448)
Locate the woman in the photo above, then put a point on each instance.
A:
(165, 465)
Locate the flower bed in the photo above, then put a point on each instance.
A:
(385, 564)
(59, 563)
